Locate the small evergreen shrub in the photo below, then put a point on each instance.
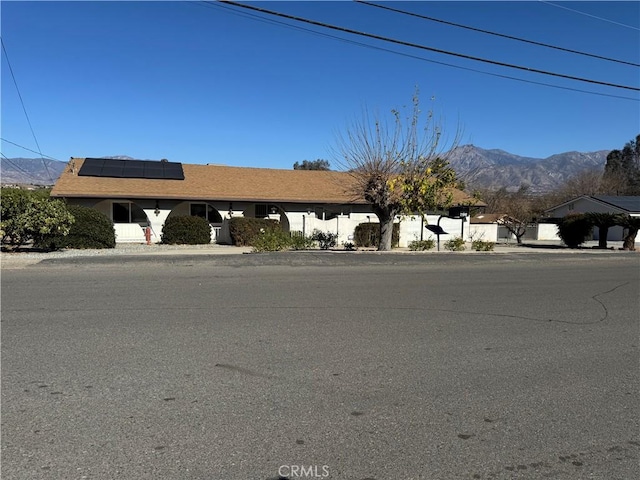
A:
(482, 246)
(301, 242)
(422, 245)
(574, 229)
(349, 246)
(91, 229)
(272, 241)
(455, 244)
(368, 235)
(245, 230)
(326, 240)
(186, 230)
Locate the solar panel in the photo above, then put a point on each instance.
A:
(173, 171)
(153, 170)
(112, 168)
(116, 168)
(92, 167)
(133, 170)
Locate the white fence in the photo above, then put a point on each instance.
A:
(129, 233)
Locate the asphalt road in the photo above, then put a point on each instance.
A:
(341, 367)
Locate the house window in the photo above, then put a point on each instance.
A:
(262, 210)
(127, 212)
(330, 212)
(205, 211)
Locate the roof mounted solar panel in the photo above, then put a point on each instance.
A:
(116, 168)
(113, 168)
(133, 170)
(92, 167)
(173, 171)
(153, 170)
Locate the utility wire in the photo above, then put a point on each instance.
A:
(408, 55)
(24, 109)
(18, 167)
(592, 16)
(423, 47)
(43, 156)
(532, 42)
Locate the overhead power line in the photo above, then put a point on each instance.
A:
(42, 155)
(592, 16)
(18, 167)
(424, 47)
(24, 109)
(510, 37)
(271, 21)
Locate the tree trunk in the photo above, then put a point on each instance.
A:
(519, 232)
(603, 232)
(386, 229)
(629, 242)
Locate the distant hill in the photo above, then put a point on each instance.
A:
(479, 168)
(30, 171)
(493, 169)
(35, 171)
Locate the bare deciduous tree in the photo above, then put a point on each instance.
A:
(398, 167)
(520, 208)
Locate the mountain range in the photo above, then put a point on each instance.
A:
(30, 171)
(477, 167)
(494, 169)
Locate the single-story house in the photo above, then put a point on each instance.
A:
(137, 194)
(628, 205)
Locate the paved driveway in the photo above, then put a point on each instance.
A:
(251, 367)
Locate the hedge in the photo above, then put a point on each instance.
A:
(368, 235)
(91, 229)
(186, 230)
(245, 230)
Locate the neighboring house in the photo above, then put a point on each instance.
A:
(628, 205)
(137, 194)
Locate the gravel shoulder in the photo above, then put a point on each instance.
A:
(230, 255)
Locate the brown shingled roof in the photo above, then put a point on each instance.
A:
(214, 182)
(488, 218)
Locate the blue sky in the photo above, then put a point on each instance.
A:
(203, 83)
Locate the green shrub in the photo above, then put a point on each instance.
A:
(244, 230)
(482, 246)
(27, 215)
(301, 242)
(272, 241)
(186, 230)
(326, 240)
(368, 235)
(91, 229)
(455, 244)
(349, 246)
(422, 245)
(574, 229)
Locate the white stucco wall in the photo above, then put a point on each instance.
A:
(548, 231)
(304, 218)
(486, 232)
